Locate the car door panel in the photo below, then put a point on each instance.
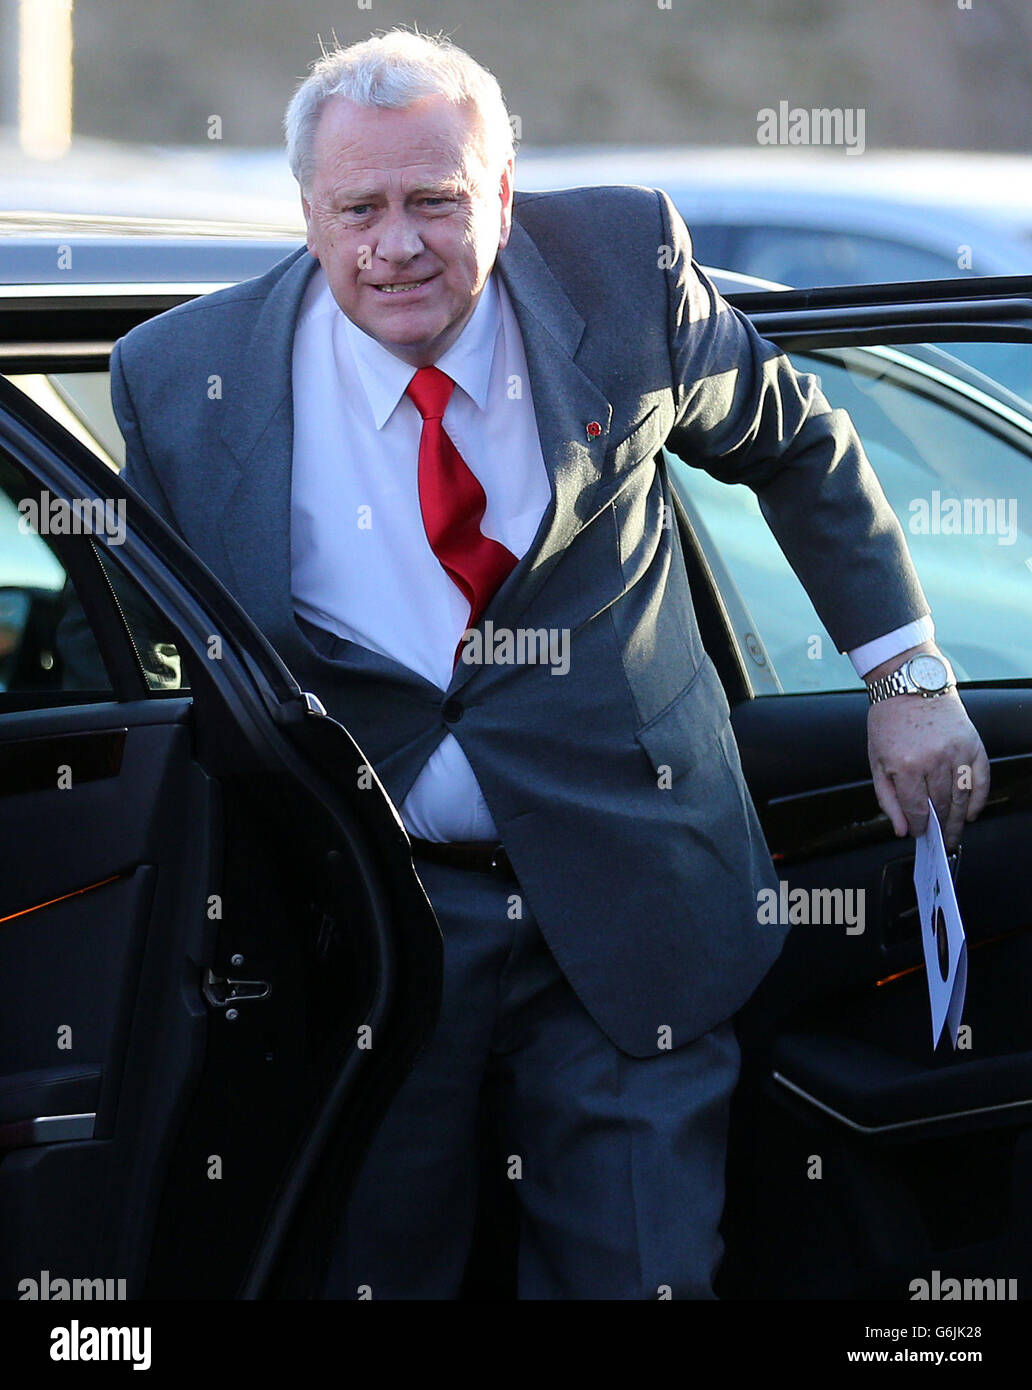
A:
(105, 876)
(840, 1063)
(200, 913)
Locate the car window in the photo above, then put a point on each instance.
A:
(50, 653)
(35, 594)
(956, 466)
(811, 257)
(153, 638)
(81, 402)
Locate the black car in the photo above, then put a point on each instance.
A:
(216, 957)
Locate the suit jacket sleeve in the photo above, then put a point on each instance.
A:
(745, 415)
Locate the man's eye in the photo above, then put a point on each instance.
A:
(358, 209)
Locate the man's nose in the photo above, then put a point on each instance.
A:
(399, 239)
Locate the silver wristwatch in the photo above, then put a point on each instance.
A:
(924, 674)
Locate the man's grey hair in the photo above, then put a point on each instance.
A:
(396, 69)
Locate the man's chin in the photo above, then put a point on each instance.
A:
(412, 342)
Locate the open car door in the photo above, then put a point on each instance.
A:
(216, 959)
(863, 1161)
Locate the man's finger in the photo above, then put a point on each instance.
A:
(956, 813)
(980, 782)
(912, 793)
(888, 800)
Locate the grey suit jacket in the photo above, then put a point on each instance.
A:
(617, 788)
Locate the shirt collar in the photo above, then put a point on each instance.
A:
(385, 377)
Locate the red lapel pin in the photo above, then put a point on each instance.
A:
(594, 429)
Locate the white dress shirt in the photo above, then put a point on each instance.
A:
(361, 564)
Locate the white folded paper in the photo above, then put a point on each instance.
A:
(942, 931)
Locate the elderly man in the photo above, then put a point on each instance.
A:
(440, 423)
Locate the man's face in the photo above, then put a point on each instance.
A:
(399, 197)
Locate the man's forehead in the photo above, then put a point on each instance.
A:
(430, 128)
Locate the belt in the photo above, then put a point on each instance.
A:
(486, 856)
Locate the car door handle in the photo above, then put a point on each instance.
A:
(223, 993)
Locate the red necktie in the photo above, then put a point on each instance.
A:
(453, 502)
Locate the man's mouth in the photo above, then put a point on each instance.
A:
(402, 286)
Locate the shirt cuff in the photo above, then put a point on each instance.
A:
(900, 639)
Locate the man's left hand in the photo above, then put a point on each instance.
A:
(923, 749)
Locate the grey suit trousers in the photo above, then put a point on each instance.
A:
(617, 1162)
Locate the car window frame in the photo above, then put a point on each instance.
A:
(914, 314)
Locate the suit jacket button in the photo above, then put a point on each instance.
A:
(451, 711)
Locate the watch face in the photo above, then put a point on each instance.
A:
(928, 672)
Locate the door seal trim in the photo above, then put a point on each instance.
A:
(897, 1125)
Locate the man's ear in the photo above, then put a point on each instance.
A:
(505, 189)
(306, 208)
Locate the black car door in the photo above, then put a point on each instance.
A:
(863, 1162)
(216, 960)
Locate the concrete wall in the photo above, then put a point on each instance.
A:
(928, 72)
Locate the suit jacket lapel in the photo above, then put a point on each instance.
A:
(258, 431)
(566, 401)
